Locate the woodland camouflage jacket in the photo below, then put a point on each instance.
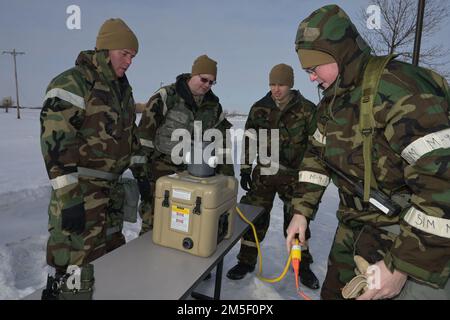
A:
(411, 146)
(295, 122)
(88, 121)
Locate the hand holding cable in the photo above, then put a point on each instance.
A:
(294, 256)
(297, 228)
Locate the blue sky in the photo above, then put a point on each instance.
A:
(246, 37)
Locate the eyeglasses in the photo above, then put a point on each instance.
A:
(211, 82)
(311, 70)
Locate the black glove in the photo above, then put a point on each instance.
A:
(144, 189)
(74, 219)
(246, 181)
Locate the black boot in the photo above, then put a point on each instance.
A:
(307, 277)
(51, 289)
(239, 271)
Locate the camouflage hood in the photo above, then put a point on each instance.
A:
(99, 62)
(100, 69)
(330, 30)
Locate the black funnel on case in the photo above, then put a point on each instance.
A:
(197, 166)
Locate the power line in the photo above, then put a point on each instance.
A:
(14, 53)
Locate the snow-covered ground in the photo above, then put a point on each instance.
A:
(24, 195)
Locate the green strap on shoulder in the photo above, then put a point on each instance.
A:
(371, 80)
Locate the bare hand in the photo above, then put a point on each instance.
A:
(298, 226)
(389, 285)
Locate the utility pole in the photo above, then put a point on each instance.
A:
(419, 25)
(14, 53)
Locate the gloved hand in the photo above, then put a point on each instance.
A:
(144, 189)
(73, 218)
(246, 181)
(358, 285)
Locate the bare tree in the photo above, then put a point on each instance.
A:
(7, 102)
(398, 28)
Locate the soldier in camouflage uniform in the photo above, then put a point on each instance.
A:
(287, 111)
(410, 161)
(178, 106)
(88, 137)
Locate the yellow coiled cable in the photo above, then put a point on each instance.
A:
(259, 275)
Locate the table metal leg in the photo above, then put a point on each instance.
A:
(217, 286)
